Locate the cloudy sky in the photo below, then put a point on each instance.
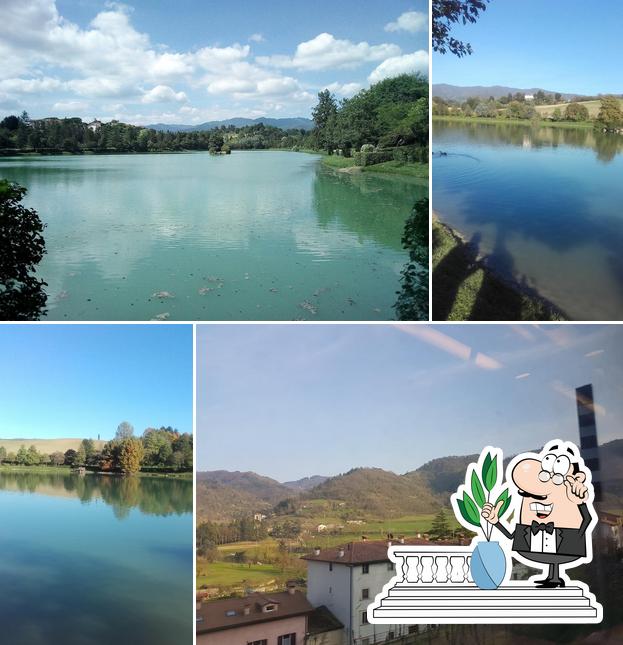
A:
(191, 61)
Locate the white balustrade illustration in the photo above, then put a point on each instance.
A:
(434, 585)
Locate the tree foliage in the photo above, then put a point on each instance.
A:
(610, 114)
(576, 112)
(130, 455)
(446, 14)
(22, 247)
(125, 430)
(412, 302)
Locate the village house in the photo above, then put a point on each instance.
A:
(95, 125)
(282, 618)
(346, 579)
(610, 529)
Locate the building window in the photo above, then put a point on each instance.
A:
(390, 566)
(365, 568)
(364, 617)
(412, 629)
(365, 594)
(268, 608)
(262, 642)
(287, 639)
(390, 635)
(330, 566)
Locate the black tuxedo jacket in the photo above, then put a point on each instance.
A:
(568, 541)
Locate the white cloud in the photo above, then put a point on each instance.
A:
(406, 64)
(70, 107)
(257, 38)
(163, 94)
(345, 90)
(326, 52)
(30, 85)
(411, 21)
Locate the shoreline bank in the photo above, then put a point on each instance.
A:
(541, 123)
(465, 287)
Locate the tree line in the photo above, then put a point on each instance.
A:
(158, 449)
(390, 114)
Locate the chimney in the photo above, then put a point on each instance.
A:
(340, 552)
(291, 587)
(316, 550)
(246, 610)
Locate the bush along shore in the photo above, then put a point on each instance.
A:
(466, 288)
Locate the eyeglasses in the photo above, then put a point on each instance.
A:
(557, 478)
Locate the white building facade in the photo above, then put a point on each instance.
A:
(346, 580)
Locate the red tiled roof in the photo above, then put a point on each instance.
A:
(367, 551)
(213, 615)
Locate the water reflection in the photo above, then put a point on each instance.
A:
(606, 146)
(151, 495)
(544, 204)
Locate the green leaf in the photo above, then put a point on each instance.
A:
(485, 466)
(507, 501)
(477, 492)
(466, 516)
(472, 509)
(491, 477)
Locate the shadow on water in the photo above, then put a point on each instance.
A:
(150, 495)
(372, 207)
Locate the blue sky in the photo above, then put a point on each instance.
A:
(569, 46)
(83, 380)
(190, 61)
(289, 401)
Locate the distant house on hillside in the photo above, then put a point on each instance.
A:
(94, 126)
(259, 517)
(283, 618)
(529, 97)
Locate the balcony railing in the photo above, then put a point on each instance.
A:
(434, 585)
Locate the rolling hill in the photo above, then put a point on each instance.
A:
(294, 123)
(46, 446)
(459, 93)
(371, 492)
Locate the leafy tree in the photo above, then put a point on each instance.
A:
(412, 302)
(576, 112)
(89, 448)
(556, 114)
(33, 458)
(81, 456)
(2, 454)
(130, 455)
(71, 456)
(10, 122)
(21, 249)
(324, 115)
(610, 114)
(447, 13)
(57, 458)
(124, 430)
(22, 456)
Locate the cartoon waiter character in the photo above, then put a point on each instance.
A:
(556, 516)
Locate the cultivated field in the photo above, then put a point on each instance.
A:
(591, 106)
(46, 446)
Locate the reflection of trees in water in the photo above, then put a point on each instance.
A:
(152, 495)
(371, 207)
(606, 145)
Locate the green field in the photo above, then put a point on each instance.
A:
(225, 577)
(591, 106)
(46, 446)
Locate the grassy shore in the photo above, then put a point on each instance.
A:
(66, 470)
(525, 122)
(419, 170)
(464, 288)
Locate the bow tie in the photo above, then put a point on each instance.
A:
(535, 527)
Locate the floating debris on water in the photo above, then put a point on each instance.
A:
(164, 316)
(62, 295)
(161, 295)
(308, 306)
(273, 290)
(205, 290)
(350, 301)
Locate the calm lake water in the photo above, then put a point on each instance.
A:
(250, 236)
(544, 204)
(95, 559)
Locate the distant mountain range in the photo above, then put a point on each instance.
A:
(294, 123)
(458, 93)
(223, 495)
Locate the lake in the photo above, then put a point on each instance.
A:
(261, 235)
(542, 204)
(95, 559)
